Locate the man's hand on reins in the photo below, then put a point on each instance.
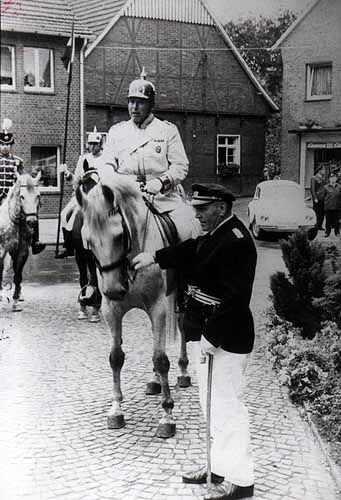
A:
(143, 259)
(153, 186)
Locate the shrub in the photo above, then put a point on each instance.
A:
(308, 370)
(293, 297)
(330, 304)
(305, 263)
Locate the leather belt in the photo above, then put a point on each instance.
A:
(202, 297)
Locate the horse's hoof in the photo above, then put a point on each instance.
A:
(94, 318)
(116, 421)
(82, 315)
(184, 381)
(153, 388)
(16, 307)
(166, 430)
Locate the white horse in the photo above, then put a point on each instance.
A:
(18, 214)
(117, 226)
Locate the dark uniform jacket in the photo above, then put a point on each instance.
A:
(10, 165)
(316, 188)
(332, 197)
(222, 265)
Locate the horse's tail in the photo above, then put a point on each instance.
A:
(171, 318)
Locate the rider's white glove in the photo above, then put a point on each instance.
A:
(63, 168)
(143, 259)
(153, 187)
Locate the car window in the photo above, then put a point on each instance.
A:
(291, 193)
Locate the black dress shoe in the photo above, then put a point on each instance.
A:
(199, 476)
(230, 491)
(63, 255)
(38, 247)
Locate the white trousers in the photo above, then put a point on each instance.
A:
(231, 447)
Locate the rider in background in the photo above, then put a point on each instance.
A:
(87, 161)
(10, 167)
(151, 150)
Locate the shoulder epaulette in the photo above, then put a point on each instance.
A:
(169, 123)
(237, 233)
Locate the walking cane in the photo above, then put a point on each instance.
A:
(208, 419)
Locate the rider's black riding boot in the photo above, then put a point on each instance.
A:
(37, 247)
(68, 245)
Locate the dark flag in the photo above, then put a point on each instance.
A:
(69, 53)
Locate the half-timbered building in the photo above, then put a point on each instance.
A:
(202, 83)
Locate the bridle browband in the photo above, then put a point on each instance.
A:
(123, 260)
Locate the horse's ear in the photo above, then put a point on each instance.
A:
(80, 196)
(108, 194)
(37, 178)
(86, 165)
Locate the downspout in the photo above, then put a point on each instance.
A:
(81, 75)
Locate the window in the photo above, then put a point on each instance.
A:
(228, 150)
(319, 81)
(38, 69)
(7, 68)
(46, 159)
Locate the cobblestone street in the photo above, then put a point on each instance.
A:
(56, 388)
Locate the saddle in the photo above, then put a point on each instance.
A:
(166, 223)
(169, 231)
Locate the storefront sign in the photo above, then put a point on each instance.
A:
(323, 145)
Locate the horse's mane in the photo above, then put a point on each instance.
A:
(125, 190)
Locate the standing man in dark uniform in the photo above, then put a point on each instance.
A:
(317, 193)
(220, 270)
(10, 167)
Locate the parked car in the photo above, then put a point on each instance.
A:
(278, 206)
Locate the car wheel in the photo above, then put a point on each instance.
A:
(255, 230)
(312, 233)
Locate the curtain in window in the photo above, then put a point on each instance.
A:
(321, 78)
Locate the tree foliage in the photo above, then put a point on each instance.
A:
(254, 38)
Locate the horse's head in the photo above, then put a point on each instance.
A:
(29, 196)
(106, 230)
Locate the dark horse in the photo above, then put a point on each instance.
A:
(117, 226)
(18, 215)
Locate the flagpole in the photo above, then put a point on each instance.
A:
(65, 135)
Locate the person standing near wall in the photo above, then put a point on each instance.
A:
(317, 194)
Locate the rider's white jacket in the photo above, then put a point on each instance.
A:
(154, 149)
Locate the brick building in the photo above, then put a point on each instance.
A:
(203, 85)
(311, 105)
(34, 35)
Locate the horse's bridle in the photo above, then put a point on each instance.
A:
(14, 219)
(123, 260)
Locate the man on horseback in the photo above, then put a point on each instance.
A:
(151, 150)
(87, 163)
(10, 167)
